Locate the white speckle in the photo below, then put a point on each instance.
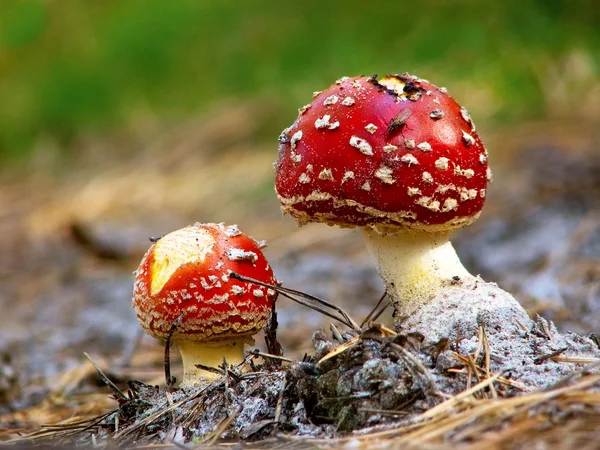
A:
(482, 193)
(442, 163)
(409, 143)
(428, 203)
(412, 191)
(467, 173)
(347, 176)
(341, 80)
(261, 244)
(295, 138)
(466, 116)
(443, 90)
(219, 265)
(364, 147)
(434, 206)
(237, 290)
(323, 122)
(436, 114)
(270, 292)
(326, 175)
(317, 196)
(409, 159)
(427, 178)
(304, 178)
(348, 101)
(389, 148)
(296, 157)
(385, 174)
(193, 285)
(443, 188)
(258, 293)
(331, 100)
(356, 84)
(467, 194)
(424, 146)
(309, 168)
(469, 140)
(436, 100)
(482, 158)
(366, 186)
(316, 94)
(283, 137)
(237, 254)
(232, 231)
(371, 128)
(450, 204)
(213, 279)
(204, 284)
(304, 109)
(489, 175)
(224, 278)
(423, 201)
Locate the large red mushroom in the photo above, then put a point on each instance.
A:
(400, 158)
(185, 275)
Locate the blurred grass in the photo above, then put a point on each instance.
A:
(70, 68)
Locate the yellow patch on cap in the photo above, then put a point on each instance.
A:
(188, 245)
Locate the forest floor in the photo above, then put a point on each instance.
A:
(71, 238)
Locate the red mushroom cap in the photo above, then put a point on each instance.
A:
(395, 152)
(187, 271)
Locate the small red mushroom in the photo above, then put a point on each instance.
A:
(186, 273)
(397, 156)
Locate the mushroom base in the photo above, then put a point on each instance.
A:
(210, 355)
(458, 311)
(414, 266)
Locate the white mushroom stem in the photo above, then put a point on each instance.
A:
(193, 352)
(414, 265)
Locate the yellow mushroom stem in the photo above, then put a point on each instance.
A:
(414, 265)
(211, 355)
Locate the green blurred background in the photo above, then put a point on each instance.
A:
(125, 119)
(73, 68)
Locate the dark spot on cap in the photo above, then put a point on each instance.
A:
(381, 87)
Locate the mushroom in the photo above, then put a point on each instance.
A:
(406, 164)
(185, 275)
